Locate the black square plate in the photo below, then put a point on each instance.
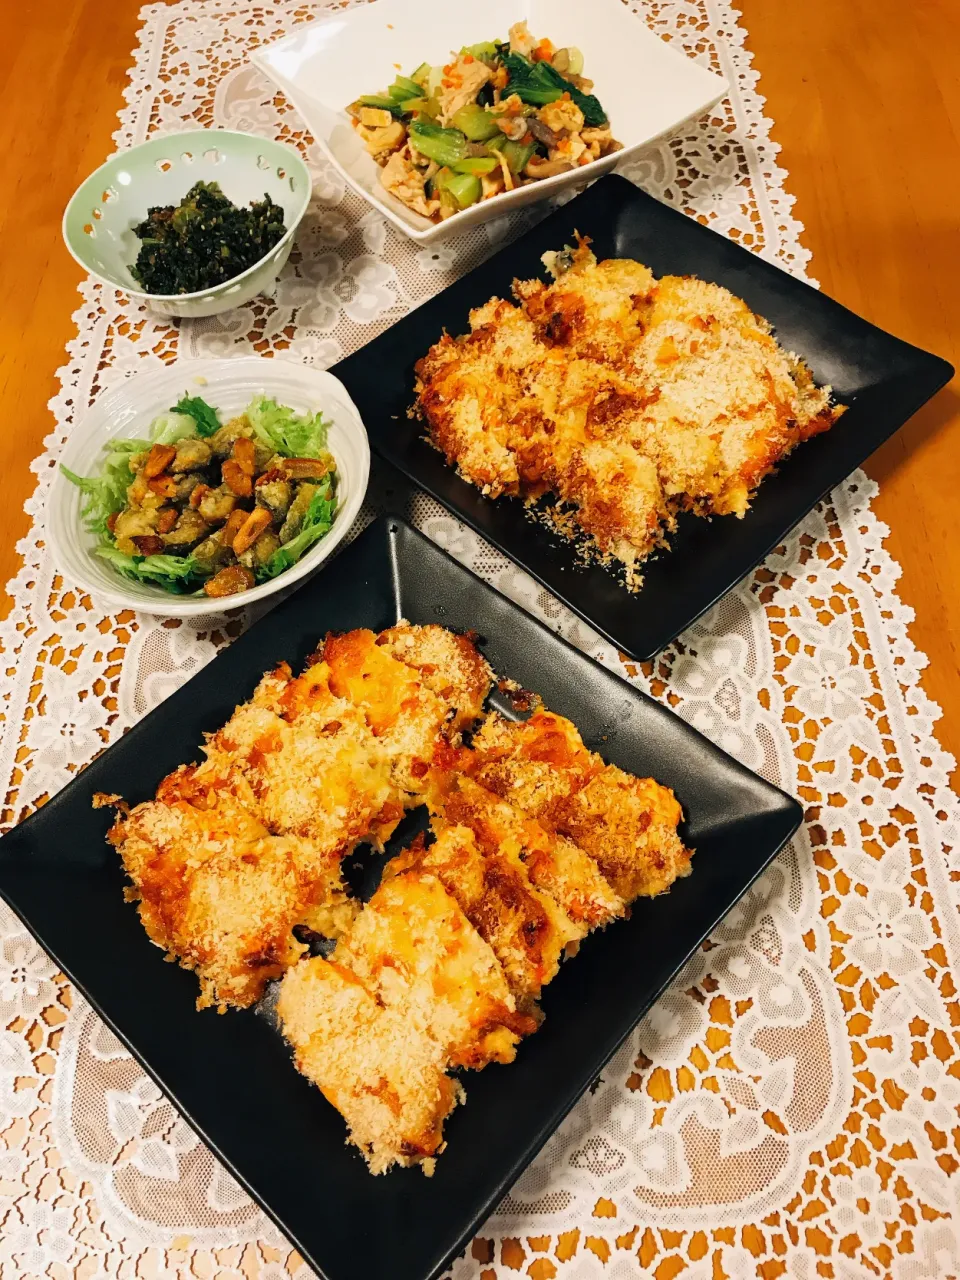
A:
(232, 1077)
(880, 378)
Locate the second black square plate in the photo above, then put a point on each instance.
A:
(880, 378)
(232, 1076)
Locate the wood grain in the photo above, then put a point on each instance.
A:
(866, 99)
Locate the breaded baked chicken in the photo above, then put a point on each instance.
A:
(626, 397)
(525, 927)
(310, 760)
(386, 1079)
(218, 891)
(449, 664)
(554, 864)
(627, 825)
(411, 991)
(730, 402)
(407, 718)
(532, 763)
(413, 946)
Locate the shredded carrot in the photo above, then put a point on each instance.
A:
(467, 57)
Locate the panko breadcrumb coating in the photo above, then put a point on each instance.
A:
(626, 397)
(627, 825)
(237, 867)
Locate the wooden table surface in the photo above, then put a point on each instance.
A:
(866, 100)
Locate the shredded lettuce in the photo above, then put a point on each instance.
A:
(176, 573)
(173, 426)
(292, 434)
(202, 416)
(105, 495)
(317, 523)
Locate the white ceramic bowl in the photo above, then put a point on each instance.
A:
(229, 385)
(98, 222)
(646, 88)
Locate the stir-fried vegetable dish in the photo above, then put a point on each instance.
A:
(205, 506)
(496, 117)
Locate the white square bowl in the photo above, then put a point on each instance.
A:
(647, 89)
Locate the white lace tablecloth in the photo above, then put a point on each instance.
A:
(791, 1107)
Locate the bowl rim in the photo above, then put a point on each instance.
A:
(197, 294)
(166, 604)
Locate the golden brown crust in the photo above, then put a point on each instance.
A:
(627, 825)
(525, 927)
(553, 863)
(626, 397)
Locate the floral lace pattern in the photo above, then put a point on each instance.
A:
(790, 1107)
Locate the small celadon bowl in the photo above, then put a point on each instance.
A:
(99, 221)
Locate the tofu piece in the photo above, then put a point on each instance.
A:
(416, 950)
(401, 177)
(462, 81)
(525, 927)
(553, 863)
(409, 722)
(450, 665)
(386, 1079)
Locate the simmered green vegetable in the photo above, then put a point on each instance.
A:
(403, 88)
(517, 154)
(474, 123)
(539, 83)
(380, 103)
(446, 146)
(476, 164)
(464, 187)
